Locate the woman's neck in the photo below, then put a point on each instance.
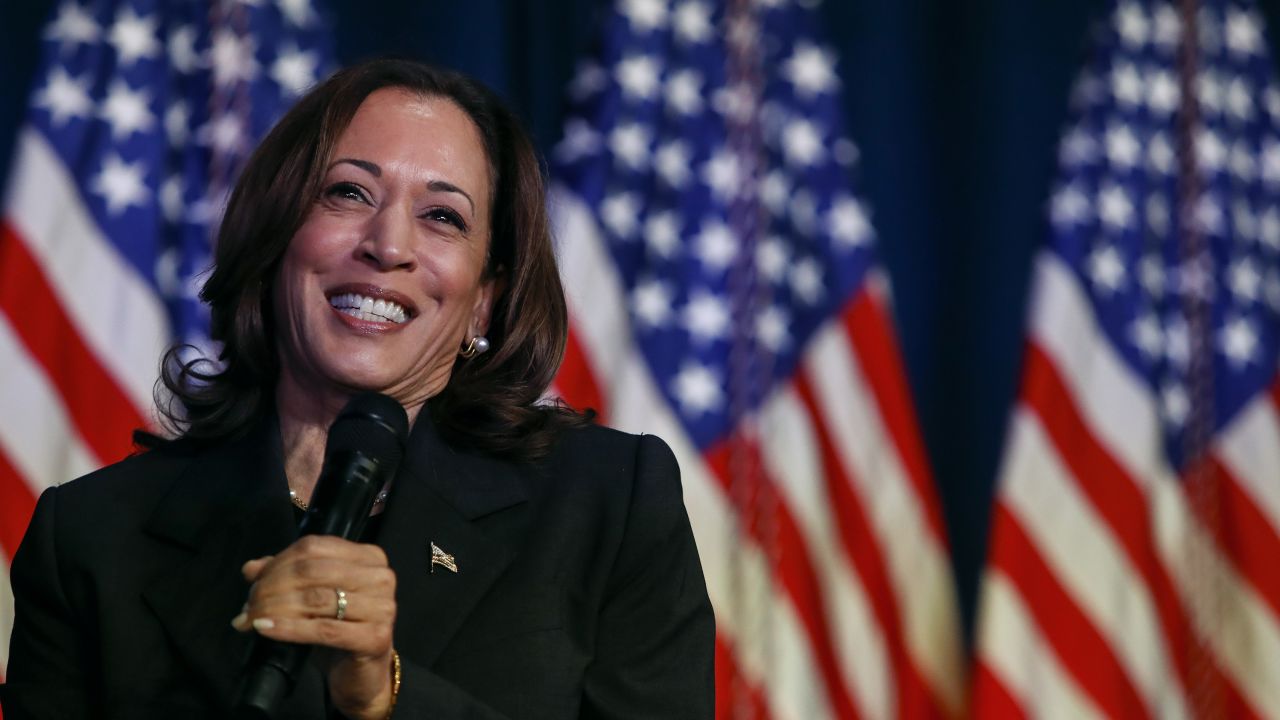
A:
(305, 417)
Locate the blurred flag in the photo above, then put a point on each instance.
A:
(1132, 570)
(140, 116)
(725, 295)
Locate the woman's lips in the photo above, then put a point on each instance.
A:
(367, 303)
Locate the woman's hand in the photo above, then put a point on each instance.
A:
(294, 598)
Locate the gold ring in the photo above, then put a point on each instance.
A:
(342, 604)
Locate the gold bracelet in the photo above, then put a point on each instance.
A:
(395, 682)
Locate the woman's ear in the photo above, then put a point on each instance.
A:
(491, 288)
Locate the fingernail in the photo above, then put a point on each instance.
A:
(263, 624)
(241, 621)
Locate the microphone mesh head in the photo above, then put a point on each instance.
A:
(373, 424)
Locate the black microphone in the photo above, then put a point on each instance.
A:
(365, 446)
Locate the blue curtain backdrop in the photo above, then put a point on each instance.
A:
(956, 107)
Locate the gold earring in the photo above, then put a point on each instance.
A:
(478, 346)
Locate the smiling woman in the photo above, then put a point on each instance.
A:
(389, 235)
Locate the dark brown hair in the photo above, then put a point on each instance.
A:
(491, 401)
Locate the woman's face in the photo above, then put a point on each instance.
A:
(385, 278)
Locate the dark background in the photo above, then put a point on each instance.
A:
(956, 107)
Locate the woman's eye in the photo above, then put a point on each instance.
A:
(446, 215)
(346, 191)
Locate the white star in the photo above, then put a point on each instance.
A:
(775, 191)
(811, 70)
(846, 152)
(619, 213)
(706, 317)
(1151, 275)
(629, 142)
(771, 258)
(1194, 279)
(1132, 25)
(1211, 153)
(1147, 335)
(1069, 206)
(1244, 280)
(126, 111)
(1106, 269)
(182, 50)
(589, 79)
(735, 102)
(121, 184)
(1239, 100)
(1238, 341)
(1126, 84)
(134, 37)
(1243, 165)
(1166, 28)
(1163, 93)
(644, 15)
(1269, 229)
(224, 133)
(64, 96)
(1114, 207)
(297, 12)
(804, 211)
(651, 302)
(1123, 149)
(697, 389)
(172, 201)
(177, 123)
(672, 163)
(1158, 217)
(1271, 97)
(684, 92)
(1271, 161)
(716, 246)
(723, 174)
(638, 76)
(295, 70)
(1244, 33)
(234, 58)
(847, 223)
(1209, 89)
(1160, 154)
(580, 139)
(1078, 148)
(73, 26)
(692, 22)
(806, 281)
(662, 233)
(1208, 215)
(802, 143)
(772, 328)
(1244, 222)
(1174, 404)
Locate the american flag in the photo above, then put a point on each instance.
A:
(1132, 568)
(140, 116)
(724, 294)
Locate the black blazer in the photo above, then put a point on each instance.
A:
(578, 592)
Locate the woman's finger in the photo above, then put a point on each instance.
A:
(364, 639)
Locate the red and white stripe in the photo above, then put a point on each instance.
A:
(1108, 592)
(80, 339)
(826, 560)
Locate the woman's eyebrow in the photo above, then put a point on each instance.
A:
(371, 168)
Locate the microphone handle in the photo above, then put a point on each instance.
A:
(340, 506)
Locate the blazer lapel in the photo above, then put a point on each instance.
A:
(230, 506)
(439, 495)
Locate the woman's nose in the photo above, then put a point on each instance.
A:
(388, 241)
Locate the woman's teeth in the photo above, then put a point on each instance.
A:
(366, 308)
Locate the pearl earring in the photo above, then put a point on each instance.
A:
(478, 346)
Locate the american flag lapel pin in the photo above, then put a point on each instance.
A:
(442, 558)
